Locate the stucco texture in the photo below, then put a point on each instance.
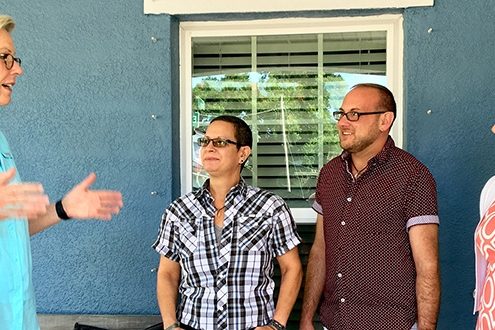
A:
(94, 78)
(450, 72)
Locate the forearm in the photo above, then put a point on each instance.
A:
(314, 283)
(289, 290)
(428, 300)
(166, 292)
(424, 246)
(44, 221)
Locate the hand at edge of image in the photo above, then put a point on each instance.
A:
(21, 200)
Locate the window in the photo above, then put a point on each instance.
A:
(284, 78)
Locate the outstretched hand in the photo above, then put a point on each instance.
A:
(83, 203)
(18, 200)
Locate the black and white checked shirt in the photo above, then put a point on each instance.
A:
(226, 284)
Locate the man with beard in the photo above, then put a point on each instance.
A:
(374, 261)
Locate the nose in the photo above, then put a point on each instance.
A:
(17, 69)
(342, 121)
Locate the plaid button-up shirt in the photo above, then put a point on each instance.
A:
(226, 284)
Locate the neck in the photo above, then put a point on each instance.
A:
(361, 158)
(219, 188)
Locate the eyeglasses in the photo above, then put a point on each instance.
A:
(9, 60)
(217, 143)
(353, 115)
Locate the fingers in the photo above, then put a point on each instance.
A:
(104, 205)
(110, 197)
(23, 200)
(20, 191)
(110, 204)
(88, 181)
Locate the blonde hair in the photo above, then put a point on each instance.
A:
(6, 23)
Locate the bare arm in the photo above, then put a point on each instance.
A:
(291, 269)
(82, 203)
(424, 245)
(315, 277)
(167, 286)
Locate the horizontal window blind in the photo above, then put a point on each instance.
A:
(285, 87)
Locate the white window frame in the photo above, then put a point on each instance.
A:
(175, 7)
(188, 30)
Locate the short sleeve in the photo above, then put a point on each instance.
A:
(165, 243)
(285, 236)
(421, 201)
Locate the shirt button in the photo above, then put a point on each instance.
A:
(349, 199)
(339, 275)
(342, 300)
(343, 223)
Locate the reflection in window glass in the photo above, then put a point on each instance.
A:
(285, 87)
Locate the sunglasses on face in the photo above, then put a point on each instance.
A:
(217, 142)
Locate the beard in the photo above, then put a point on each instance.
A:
(358, 144)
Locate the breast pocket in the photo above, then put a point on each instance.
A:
(254, 233)
(188, 237)
(7, 160)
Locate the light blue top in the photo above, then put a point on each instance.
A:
(17, 302)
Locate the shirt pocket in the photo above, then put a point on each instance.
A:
(188, 238)
(6, 159)
(254, 233)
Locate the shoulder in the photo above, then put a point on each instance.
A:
(264, 196)
(332, 164)
(407, 160)
(185, 206)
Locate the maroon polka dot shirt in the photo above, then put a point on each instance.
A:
(370, 273)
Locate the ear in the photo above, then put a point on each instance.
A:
(386, 120)
(244, 152)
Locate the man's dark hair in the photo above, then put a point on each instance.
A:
(387, 100)
(242, 132)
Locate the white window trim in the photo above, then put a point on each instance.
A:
(188, 30)
(175, 7)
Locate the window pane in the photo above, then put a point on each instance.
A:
(285, 87)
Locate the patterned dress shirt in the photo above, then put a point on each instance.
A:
(370, 272)
(226, 284)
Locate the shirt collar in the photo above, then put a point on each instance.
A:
(204, 192)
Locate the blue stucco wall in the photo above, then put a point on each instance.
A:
(451, 72)
(94, 78)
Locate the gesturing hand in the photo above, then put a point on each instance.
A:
(83, 203)
(19, 200)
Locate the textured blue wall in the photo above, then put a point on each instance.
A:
(94, 78)
(451, 72)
